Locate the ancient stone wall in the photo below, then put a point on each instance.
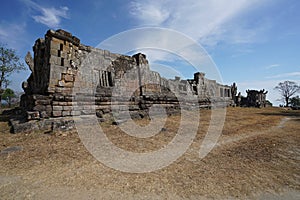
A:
(69, 79)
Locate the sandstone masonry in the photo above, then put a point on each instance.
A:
(71, 79)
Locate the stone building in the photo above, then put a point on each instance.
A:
(69, 79)
(256, 98)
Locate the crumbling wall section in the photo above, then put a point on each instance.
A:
(70, 79)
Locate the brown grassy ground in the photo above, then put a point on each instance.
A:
(257, 157)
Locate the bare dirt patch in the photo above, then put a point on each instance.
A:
(257, 157)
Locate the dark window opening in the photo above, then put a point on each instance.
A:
(62, 62)
(110, 79)
(195, 89)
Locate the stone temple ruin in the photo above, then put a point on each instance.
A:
(255, 98)
(71, 79)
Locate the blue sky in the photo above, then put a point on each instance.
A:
(253, 43)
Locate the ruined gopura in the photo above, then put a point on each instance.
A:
(255, 98)
(71, 79)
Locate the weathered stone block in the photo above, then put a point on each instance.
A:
(69, 99)
(48, 108)
(55, 75)
(40, 97)
(55, 60)
(75, 112)
(63, 54)
(58, 90)
(72, 103)
(39, 108)
(44, 114)
(65, 62)
(88, 112)
(77, 108)
(43, 102)
(71, 71)
(66, 113)
(55, 44)
(69, 84)
(67, 108)
(57, 108)
(56, 113)
(68, 77)
(64, 91)
(33, 115)
(62, 103)
(88, 107)
(55, 52)
(54, 103)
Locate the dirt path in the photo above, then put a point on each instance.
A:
(242, 136)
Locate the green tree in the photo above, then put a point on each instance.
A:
(9, 63)
(295, 101)
(287, 89)
(8, 95)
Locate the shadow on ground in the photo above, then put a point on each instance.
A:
(5, 115)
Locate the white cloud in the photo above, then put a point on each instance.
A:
(151, 14)
(206, 21)
(285, 75)
(48, 16)
(51, 16)
(272, 66)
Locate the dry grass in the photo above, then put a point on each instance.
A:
(58, 165)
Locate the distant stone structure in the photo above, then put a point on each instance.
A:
(255, 98)
(71, 79)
